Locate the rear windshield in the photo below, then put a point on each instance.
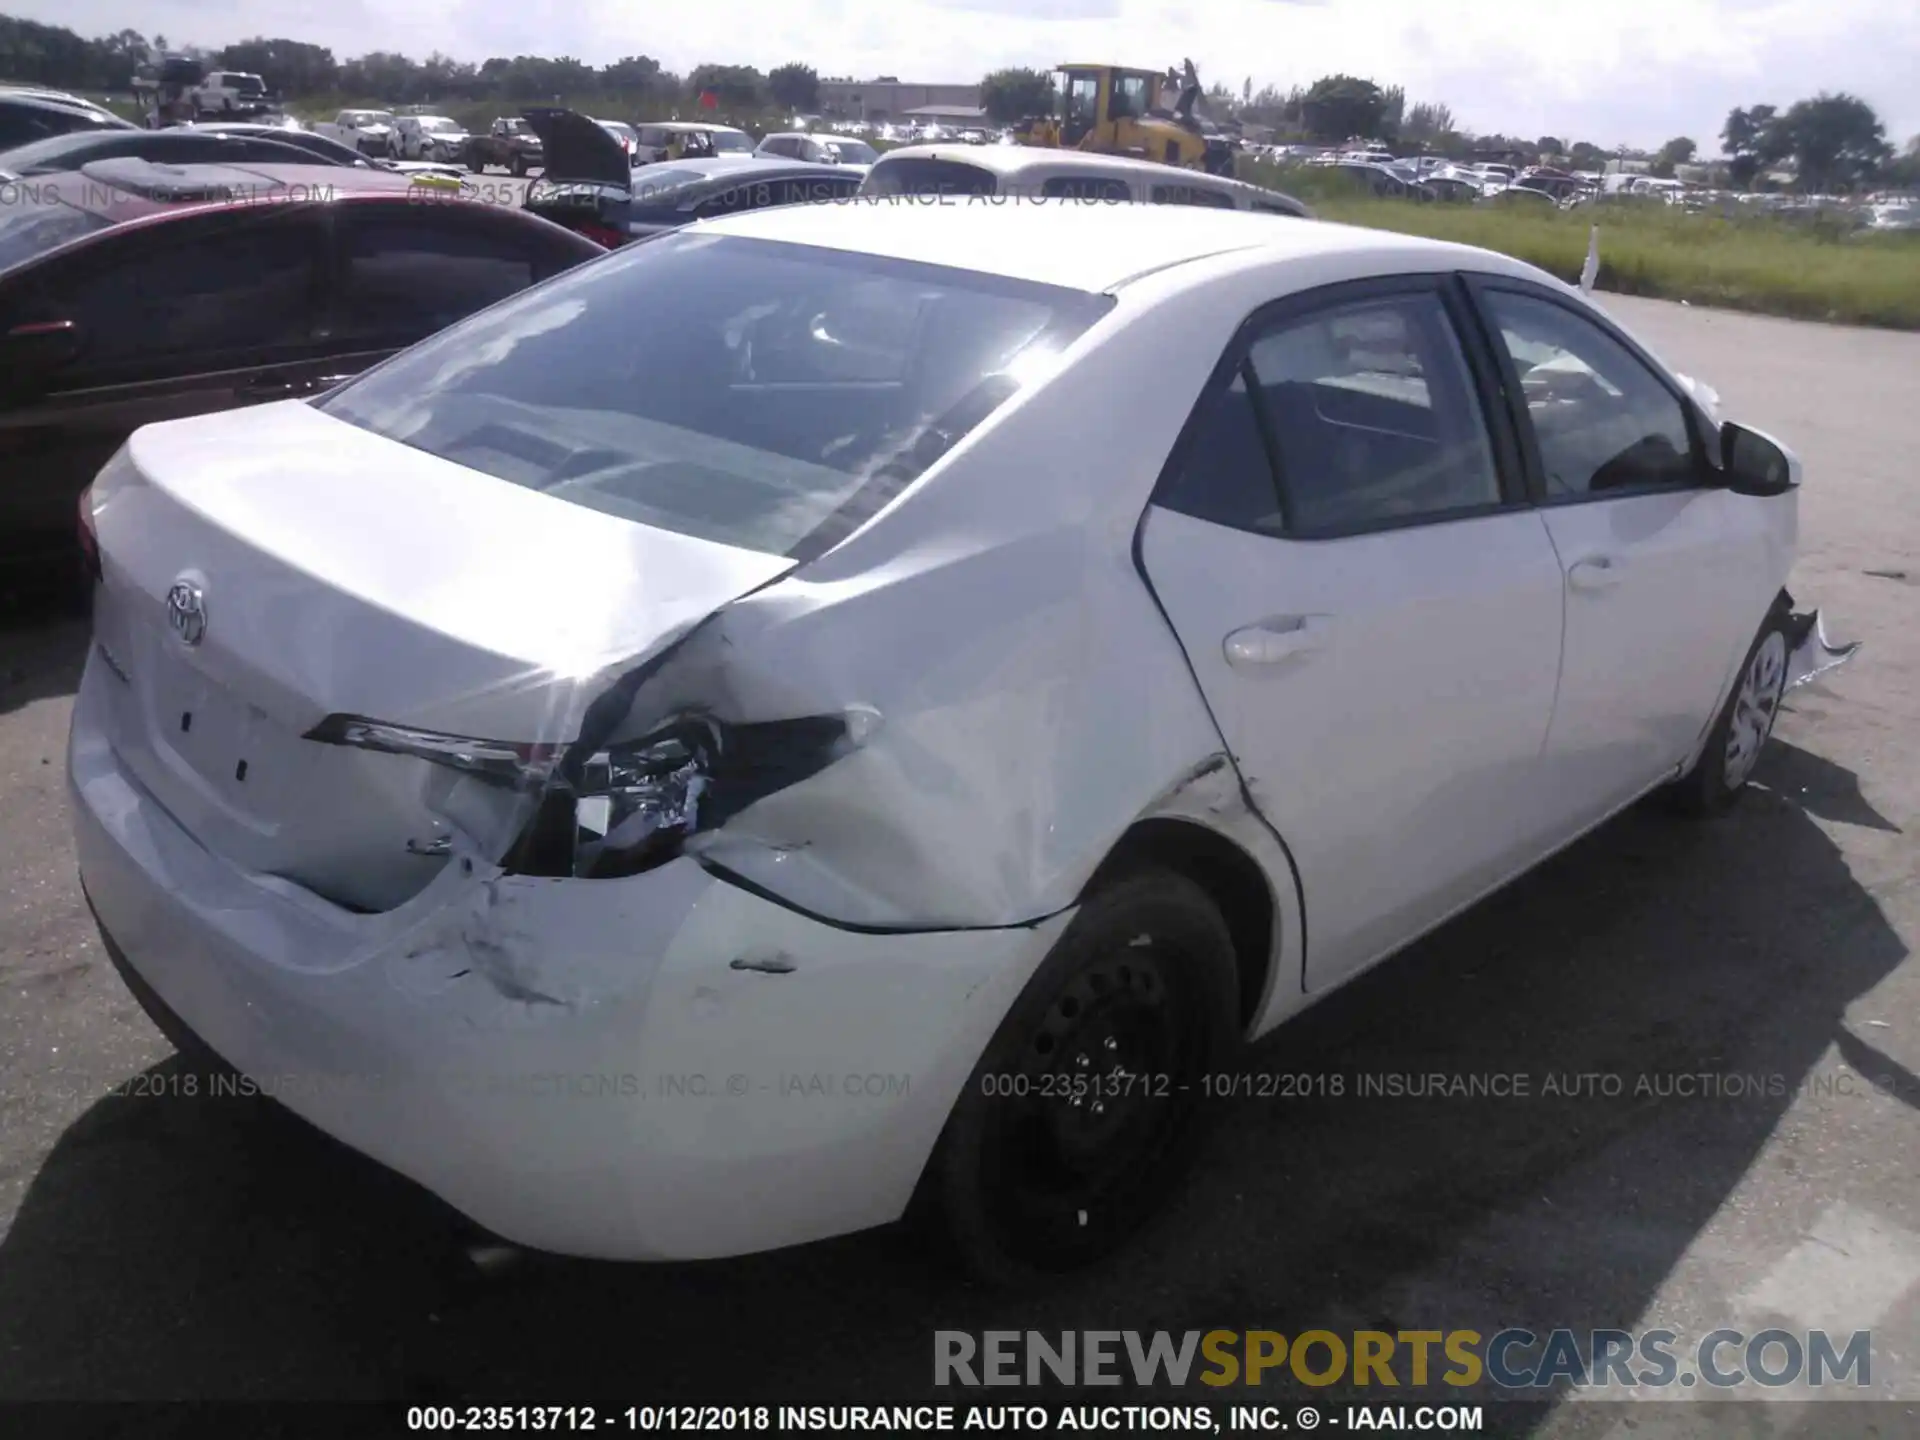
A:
(725, 141)
(763, 395)
(29, 230)
(926, 176)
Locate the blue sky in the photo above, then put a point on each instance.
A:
(1624, 72)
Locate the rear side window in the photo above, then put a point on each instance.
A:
(1087, 187)
(1374, 416)
(1192, 195)
(763, 395)
(409, 270)
(1226, 475)
(924, 175)
(1373, 420)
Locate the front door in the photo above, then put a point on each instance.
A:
(1668, 574)
(1371, 609)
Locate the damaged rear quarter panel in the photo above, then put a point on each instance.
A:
(1032, 701)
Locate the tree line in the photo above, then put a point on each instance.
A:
(1830, 141)
(53, 55)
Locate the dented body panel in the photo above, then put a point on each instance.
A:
(578, 1067)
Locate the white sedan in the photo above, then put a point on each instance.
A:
(855, 703)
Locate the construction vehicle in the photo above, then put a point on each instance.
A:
(1115, 110)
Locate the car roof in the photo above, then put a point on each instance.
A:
(1022, 163)
(1081, 246)
(125, 189)
(1018, 160)
(690, 125)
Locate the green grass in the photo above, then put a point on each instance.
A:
(1803, 269)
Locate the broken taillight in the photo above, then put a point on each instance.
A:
(629, 805)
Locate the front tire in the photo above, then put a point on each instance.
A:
(519, 166)
(1744, 725)
(1084, 1114)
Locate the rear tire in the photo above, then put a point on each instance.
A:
(1085, 1113)
(1743, 728)
(519, 166)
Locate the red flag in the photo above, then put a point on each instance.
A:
(709, 100)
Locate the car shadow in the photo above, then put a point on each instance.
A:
(41, 659)
(190, 1247)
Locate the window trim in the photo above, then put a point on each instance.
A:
(1478, 285)
(1236, 358)
(1223, 198)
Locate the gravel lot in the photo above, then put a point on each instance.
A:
(157, 1246)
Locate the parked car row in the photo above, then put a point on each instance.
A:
(591, 185)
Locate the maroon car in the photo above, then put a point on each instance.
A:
(132, 292)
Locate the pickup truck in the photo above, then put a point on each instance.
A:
(430, 137)
(368, 131)
(228, 92)
(511, 142)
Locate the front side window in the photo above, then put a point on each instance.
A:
(1601, 419)
(764, 395)
(1129, 97)
(408, 270)
(1083, 98)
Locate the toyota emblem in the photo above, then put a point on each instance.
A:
(187, 611)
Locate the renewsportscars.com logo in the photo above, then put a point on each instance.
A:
(1513, 1359)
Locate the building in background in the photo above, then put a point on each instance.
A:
(888, 98)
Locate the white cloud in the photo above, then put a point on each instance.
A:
(1631, 71)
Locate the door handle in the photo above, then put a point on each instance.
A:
(1272, 641)
(1596, 572)
(267, 389)
(287, 389)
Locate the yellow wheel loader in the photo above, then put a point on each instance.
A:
(1114, 110)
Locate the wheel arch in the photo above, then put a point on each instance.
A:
(1232, 879)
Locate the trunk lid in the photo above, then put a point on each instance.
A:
(336, 572)
(576, 148)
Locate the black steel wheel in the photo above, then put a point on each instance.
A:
(1084, 1114)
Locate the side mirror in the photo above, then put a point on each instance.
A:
(1756, 464)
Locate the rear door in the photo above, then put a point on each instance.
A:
(1668, 574)
(1369, 605)
(190, 316)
